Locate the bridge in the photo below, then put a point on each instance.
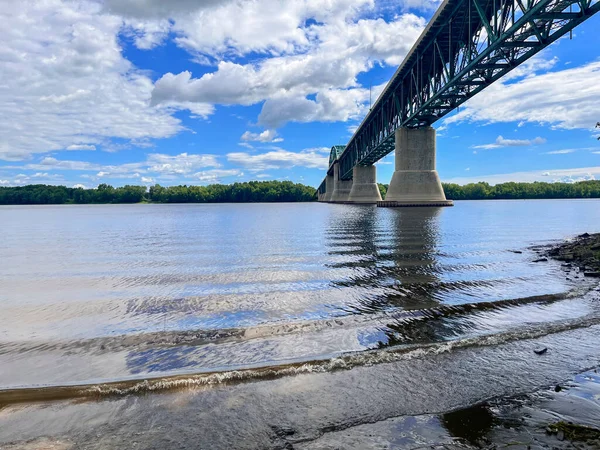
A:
(467, 45)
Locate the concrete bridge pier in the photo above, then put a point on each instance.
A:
(328, 189)
(364, 185)
(341, 188)
(415, 181)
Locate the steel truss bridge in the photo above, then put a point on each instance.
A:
(467, 45)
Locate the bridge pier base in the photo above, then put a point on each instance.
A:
(415, 181)
(328, 189)
(364, 185)
(341, 188)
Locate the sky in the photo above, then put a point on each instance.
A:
(221, 91)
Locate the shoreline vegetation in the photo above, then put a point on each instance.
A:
(271, 191)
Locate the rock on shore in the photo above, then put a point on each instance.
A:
(583, 252)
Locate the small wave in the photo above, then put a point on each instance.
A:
(356, 316)
(343, 362)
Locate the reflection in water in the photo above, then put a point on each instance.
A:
(110, 291)
(394, 258)
(396, 261)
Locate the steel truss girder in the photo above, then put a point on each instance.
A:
(467, 46)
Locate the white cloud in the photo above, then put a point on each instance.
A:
(331, 105)
(564, 99)
(154, 166)
(265, 136)
(147, 34)
(147, 180)
(148, 9)
(216, 175)
(280, 159)
(502, 142)
(79, 185)
(181, 164)
(81, 147)
(21, 179)
(64, 81)
(558, 175)
(51, 163)
(337, 53)
(562, 152)
(272, 27)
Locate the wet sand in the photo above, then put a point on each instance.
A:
(544, 419)
(403, 404)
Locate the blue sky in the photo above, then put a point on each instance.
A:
(188, 92)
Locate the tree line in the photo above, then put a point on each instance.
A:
(252, 191)
(512, 190)
(271, 191)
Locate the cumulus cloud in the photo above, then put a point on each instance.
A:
(207, 28)
(68, 86)
(147, 9)
(338, 53)
(217, 175)
(330, 105)
(265, 136)
(564, 99)
(183, 163)
(155, 165)
(502, 142)
(313, 158)
(64, 81)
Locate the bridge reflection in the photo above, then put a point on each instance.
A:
(391, 254)
(394, 260)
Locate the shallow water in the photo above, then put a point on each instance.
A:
(102, 293)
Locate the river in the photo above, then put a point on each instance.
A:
(96, 298)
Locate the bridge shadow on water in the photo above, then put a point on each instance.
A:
(392, 254)
(393, 259)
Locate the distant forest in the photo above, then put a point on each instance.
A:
(253, 191)
(483, 191)
(270, 191)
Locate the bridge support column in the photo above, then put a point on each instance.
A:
(415, 181)
(341, 188)
(328, 188)
(364, 185)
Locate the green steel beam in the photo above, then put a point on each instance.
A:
(468, 45)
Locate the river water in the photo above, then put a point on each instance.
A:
(95, 298)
